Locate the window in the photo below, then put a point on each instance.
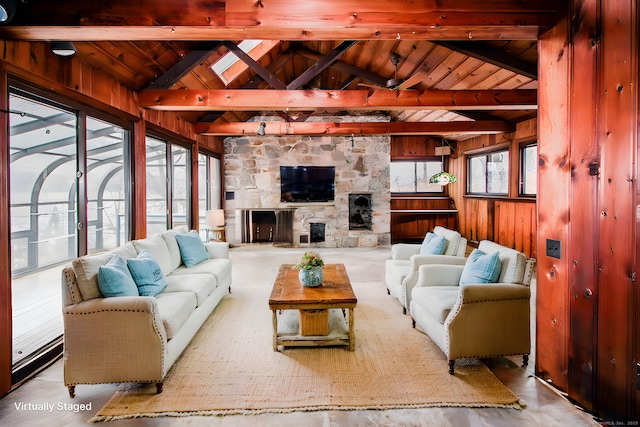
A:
(168, 185)
(229, 67)
(209, 188)
(528, 169)
(488, 173)
(69, 195)
(413, 176)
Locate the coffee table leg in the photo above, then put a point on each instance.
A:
(275, 330)
(352, 335)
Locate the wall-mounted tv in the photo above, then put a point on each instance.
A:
(307, 183)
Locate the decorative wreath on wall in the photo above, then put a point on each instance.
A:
(443, 178)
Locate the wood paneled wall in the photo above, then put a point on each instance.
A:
(510, 221)
(588, 320)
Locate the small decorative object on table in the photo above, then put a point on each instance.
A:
(310, 267)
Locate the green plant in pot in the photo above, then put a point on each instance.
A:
(310, 267)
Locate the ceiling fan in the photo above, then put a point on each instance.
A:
(395, 83)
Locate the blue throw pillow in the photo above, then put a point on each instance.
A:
(147, 274)
(192, 249)
(481, 268)
(114, 279)
(434, 246)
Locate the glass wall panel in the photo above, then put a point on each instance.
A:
(181, 188)
(209, 182)
(157, 198)
(107, 189)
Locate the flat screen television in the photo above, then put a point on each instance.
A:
(307, 183)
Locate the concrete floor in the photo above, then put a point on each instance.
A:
(258, 264)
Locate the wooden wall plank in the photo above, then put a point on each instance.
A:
(618, 138)
(584, 215)
(553, 203)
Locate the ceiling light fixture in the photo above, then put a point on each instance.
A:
(63, 48)
(261, 128)
(7, 10)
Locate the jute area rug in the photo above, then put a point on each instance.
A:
(230, 367)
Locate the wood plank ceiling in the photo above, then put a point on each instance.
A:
(472, 64)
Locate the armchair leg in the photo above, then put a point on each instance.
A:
(388, 291)
(404, 310)
(525, 359)
(452, 363)
(72, 391)
(413, 323)
(159, 387)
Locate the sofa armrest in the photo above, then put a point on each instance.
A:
(404, 250)
(217, 250)
(489, 320)
(117, 339)
(416, 261)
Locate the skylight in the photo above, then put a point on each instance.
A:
(230, 59)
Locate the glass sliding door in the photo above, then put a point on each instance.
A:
(43, 218)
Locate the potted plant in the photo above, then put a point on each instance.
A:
(310, 267)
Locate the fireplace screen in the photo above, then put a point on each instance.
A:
(360, 212)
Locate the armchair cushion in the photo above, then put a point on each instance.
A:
(437, 300)
(147, 274)
(433, 244)
(481, 268)
(192, 249)
(114, 279)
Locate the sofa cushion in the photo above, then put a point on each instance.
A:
(175, 308)
(172, 244)
(481, 268)
(114, 279)
(147, 274)
(513, 262)
(433, 245)
(201, 285)
(436, 300)
(86, 269)
(157, 246)
(192, 249)
(216, 267)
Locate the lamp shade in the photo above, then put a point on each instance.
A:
(215, 218)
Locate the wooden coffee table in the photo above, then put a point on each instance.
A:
(313, 317)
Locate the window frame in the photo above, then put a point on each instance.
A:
(486, 152)
(522, 169)
(415, 161)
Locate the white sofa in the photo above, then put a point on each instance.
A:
(137, 338)
(476, 320)
(401, 271)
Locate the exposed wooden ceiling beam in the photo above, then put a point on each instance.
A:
(296, 100)
(185, 65)
(321, 65)
(485, 53)
(280, 20)
(343, 67)
(355, 128)
(267, 75)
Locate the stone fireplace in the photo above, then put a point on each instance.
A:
(359, 215)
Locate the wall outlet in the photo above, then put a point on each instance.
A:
(553, 248)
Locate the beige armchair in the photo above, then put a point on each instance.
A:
(401, 271)
(476, 320)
